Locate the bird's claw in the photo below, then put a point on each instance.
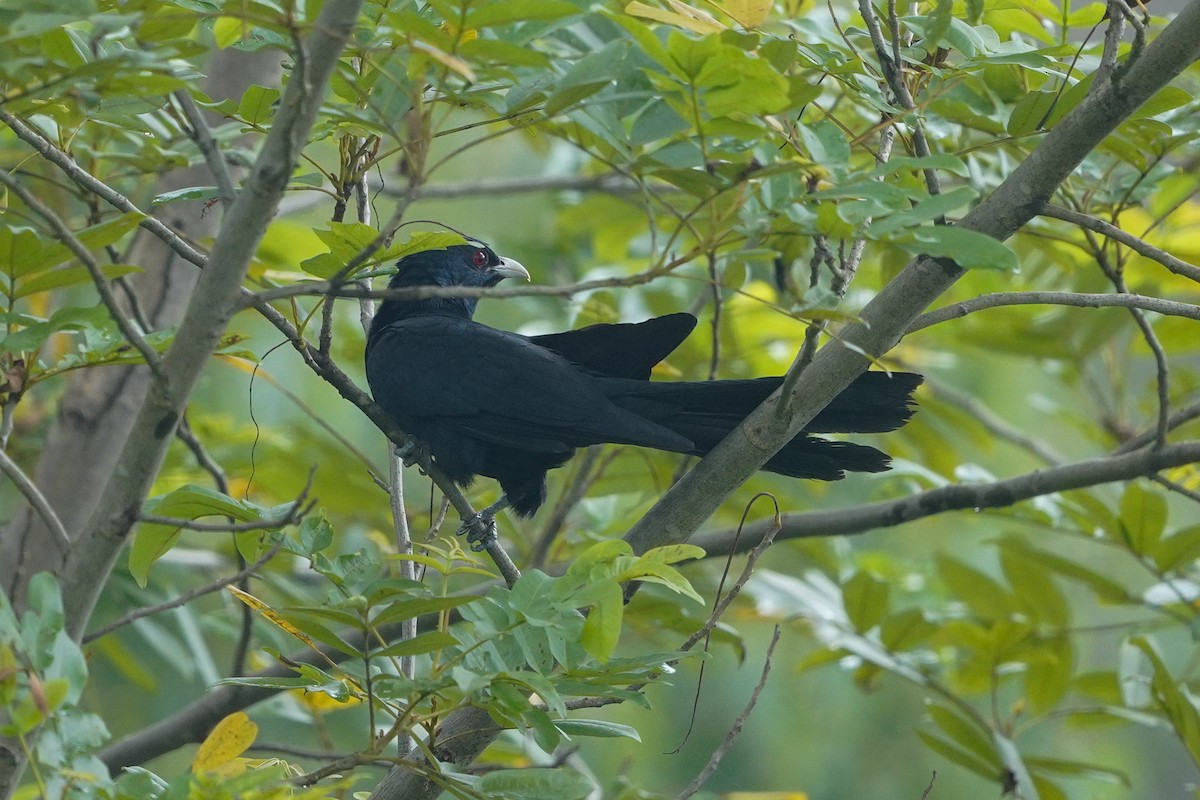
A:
(412, 451)
(480, 530)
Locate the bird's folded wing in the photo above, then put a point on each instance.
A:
(499, 385)
(624, 350)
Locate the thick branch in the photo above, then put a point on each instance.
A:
(886, 318)
(214, 301)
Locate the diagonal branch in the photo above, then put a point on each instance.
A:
(890, 314)
(1137, 245)
(216, 298)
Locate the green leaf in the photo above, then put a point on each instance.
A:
(926, 210)
(598, 728)
(1179, 551)
(1029, 111)
(504, 12)
(866, 600)
(965, 733)
(153, 540)
(602, 628)
(258, 104)
(985, 597)
(826, 143)
(68, 276)
(427, 642)
(415, 607)
(969, 249)
(1143, 518)
(535, 784)
(186, 193)
(1079, 769)
(963, 759)
(1173, 699)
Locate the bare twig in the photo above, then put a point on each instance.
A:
(182, 599)
(1180, 417)
(1077, 300)
(35, 497)
(735, 731)
(202, 136)
(958, 497)
(1139, 246)
(893, 73)
(97, 187)
(64, 234)
(773, 527)
(291, 518)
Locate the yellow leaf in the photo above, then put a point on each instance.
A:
(227, 741)
(265, 610)
(748, 13)
(764, 796)
(444, 58)
(684, 16)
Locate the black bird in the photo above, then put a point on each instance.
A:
(511, 407)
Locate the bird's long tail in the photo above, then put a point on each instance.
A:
(705, 412)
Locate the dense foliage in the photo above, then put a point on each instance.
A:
(1020, 612)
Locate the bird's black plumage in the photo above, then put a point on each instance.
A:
(511, 407)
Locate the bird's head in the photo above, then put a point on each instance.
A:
(471, 264)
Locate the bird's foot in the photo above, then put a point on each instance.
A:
(481, 528)
(412, 451)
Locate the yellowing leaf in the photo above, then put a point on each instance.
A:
(268, 614)
(227, 741)
(444, 58)
(684, 16)
(748, 13)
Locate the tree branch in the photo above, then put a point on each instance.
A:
(958, 497)
(35, 497)
(1139, 246)
(97, 187)
(214, 301)
(999, 299)
(890, 314)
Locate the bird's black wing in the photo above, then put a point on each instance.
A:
(624, 350)
(497, 387)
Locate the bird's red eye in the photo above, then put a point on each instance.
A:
(480, 258)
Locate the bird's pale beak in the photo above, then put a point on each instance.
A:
(511, 268)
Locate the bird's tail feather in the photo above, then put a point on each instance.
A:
(705, 412)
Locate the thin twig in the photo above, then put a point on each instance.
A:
(404, 547)
(958, 497)
(291, 518)
(1180, 417)
(773, 527)
(35, 497)
(202, 136)
(64, 234)
(1139, 246)
(209, 464)
(183, 599)
(994, 424)
(738, 724)
(893, 72)
(114, 198)
(1074, 299)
